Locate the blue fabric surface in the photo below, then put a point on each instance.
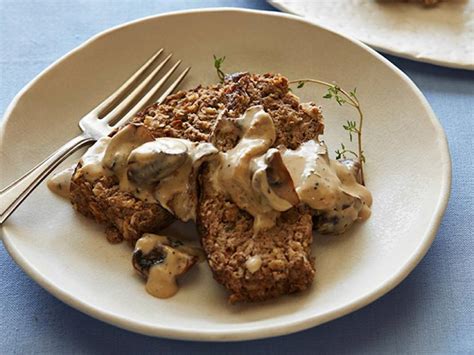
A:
(430, 312)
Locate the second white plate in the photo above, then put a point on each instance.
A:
(442, 34)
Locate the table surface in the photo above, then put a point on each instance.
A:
(430, 312)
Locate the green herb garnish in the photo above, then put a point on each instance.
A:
(341, 153)
(343, 97)
(218, 61)
(350, 127)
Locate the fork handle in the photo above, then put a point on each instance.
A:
(15, 193)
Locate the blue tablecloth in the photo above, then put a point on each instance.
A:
(430, 312)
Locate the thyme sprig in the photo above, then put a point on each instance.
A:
(342, 97)
(218, 61)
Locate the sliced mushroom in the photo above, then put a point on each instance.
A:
(225, 133)
(178, 193)
(272, 181)
(279, 179)
(122, 143)
(153, 161)
(161, 260)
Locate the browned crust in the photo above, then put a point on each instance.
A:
(124, 216)
(193, 114)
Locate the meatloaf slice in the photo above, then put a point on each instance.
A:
(225, 230)
(257, 267)
(283, 253)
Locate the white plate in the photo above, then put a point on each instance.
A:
(408, 172)
(442, 34)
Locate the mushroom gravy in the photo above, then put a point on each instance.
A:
(237, 167)
(261, 180)
(256, 176)
(327, 186)
(161, 260)
(265, 181)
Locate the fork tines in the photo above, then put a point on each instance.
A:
(114, 110)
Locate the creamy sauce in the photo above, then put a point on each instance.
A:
(161, 280)
(149, 241)
(237, 164)
(175, 260)
(305, 175)
(327, 186)
(253, 263)
(259, 179)
(60, 182)
(115, 159)
(272, 181)
(162, 170)
(178, 191)
(91, 162)
(90, 167)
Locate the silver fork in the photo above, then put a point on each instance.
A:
(99, 122)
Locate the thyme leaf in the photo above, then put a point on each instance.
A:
(350, 127)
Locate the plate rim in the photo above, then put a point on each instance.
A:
(385, 49)
(183, 333)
